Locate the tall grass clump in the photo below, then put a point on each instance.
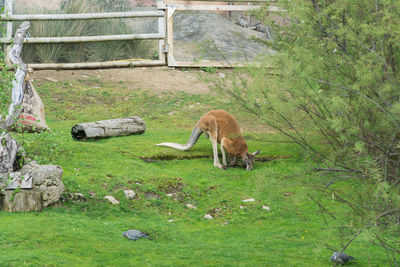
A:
(81, 52)
(336, 94)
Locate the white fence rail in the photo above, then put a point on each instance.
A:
(165, 33)
(160, 35)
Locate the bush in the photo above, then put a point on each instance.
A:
(337, 96)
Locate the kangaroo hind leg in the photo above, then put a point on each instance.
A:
(223, 152)
(213, 133)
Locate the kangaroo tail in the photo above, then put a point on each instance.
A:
(190, 143)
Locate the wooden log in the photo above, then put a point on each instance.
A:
(109, 128)
(11, 154)
(24, 200)
(19, 81)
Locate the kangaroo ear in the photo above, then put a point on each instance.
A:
(256, 153)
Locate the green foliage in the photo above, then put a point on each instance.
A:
(42, 146)
(337, 96)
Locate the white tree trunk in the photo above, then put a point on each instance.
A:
(19, 80)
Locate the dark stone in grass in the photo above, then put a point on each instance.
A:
(135, 235)
(341, 258)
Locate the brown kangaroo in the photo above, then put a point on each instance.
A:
(221, 127)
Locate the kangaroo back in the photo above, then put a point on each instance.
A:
(196, 132)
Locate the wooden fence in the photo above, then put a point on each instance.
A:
(164, 35)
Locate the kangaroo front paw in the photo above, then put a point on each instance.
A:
(220, 166)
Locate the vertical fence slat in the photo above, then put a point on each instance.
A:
(161, 31)
(170, 36)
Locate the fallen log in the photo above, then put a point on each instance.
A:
(109, 128)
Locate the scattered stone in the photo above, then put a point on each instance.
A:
(170, 195)
(51, 80)
(76, 196)
(92, 193)
(249, 200)
(191, 106)
(129, 194)
(171, 220)
(112, 200)
(288, 194)
(266, 208)
(190, 206)
(208, 216)
(222, 75)
(241, 207)
(152, 195)
(341, 258)
(226, 223)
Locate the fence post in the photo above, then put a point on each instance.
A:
(161, 31)
(170, 35)
(8, 10)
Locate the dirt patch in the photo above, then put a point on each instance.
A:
(155, 79)
(159, 158)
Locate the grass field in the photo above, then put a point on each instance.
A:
(88, 233)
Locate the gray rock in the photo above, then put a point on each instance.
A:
(341, 258)
(46, 178)
(76, 196)
(112, 200)
(234, 43)
(129, 194)
(135, 235)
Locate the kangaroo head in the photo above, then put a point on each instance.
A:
(248, 159)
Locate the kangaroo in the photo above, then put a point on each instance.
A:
(221, 127)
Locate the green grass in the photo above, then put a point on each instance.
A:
(89, 233)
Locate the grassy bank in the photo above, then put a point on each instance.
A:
(88, 233)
